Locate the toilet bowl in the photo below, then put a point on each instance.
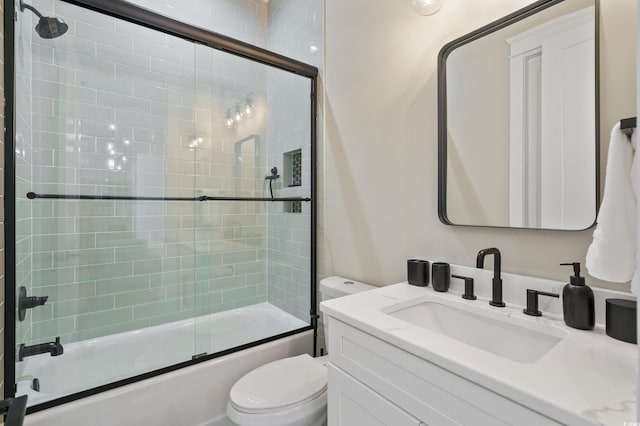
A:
(290, 391)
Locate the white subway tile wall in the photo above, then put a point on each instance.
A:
(23, 164)
(295, 30)
(112, 108)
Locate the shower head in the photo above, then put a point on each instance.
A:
(47, 27)
(51, 27)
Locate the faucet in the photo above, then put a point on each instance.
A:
(54, 348)
(496, 292)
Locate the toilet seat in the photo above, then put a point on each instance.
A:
(289, 391)
(280, 384)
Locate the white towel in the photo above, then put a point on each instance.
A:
(612, 254)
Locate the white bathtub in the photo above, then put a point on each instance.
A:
(196, 394)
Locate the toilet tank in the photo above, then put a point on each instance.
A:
(332, 287)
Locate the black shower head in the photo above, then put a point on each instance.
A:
(51, 27)
(47, 27)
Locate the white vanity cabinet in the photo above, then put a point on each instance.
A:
(372, 382)
(352, 403)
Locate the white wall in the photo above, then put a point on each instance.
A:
(381, 139)
(478, 75)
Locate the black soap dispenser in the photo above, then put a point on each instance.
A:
(577, 301)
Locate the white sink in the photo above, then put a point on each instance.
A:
(504, 335)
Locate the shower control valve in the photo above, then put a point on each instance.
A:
(28, 302)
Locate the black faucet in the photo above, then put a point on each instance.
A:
(54, 348)
(496, 292)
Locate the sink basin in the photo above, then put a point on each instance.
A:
(506, 336)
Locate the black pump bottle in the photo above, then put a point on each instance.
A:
(577, 301)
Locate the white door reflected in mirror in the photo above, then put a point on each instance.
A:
(552, 118)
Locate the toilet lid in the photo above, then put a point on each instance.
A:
(279, 384)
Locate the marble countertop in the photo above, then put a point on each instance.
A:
(587, 378)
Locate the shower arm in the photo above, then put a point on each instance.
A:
(24, 6)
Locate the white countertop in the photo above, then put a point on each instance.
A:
(587, 378)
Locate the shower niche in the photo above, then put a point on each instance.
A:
(293, 167)
(293, 177)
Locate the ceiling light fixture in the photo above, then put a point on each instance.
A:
(426, 7)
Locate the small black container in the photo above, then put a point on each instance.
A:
(418, 272)
(621, 319)
(441, 274)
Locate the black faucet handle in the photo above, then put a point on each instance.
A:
(532, 301)
(468, 287)
(28, 302)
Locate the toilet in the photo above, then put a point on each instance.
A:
(290, 391)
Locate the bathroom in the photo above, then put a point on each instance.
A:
(313, 135)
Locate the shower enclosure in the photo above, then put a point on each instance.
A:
(161, 178)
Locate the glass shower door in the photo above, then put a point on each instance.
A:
(104, 145)
(253, 267)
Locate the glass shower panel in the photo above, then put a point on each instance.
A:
(289, 222)
(245, 114)
(106, 121)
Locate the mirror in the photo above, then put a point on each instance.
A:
(518, 144)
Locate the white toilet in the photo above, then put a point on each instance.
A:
(290, 391)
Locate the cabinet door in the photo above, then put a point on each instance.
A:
(352, 403)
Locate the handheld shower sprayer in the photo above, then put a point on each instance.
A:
(274, 175)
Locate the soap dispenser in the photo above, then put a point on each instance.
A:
(577, 301)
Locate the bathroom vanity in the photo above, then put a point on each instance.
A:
(407, 355)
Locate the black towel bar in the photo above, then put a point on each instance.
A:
(628, 125)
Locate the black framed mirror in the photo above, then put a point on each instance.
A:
(518, 120)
